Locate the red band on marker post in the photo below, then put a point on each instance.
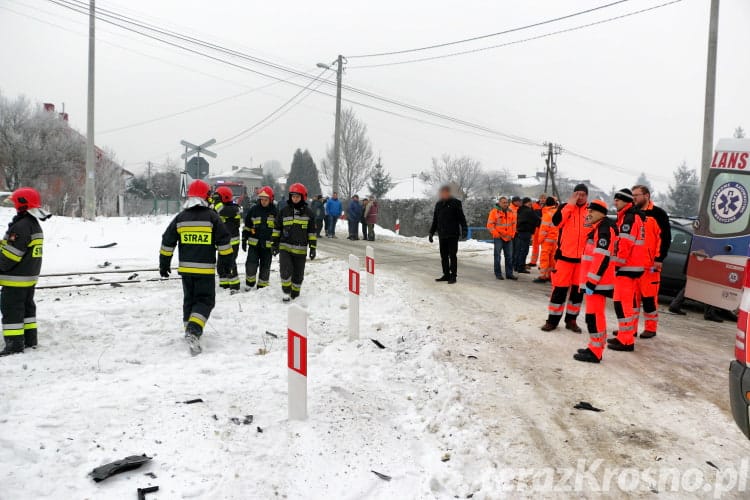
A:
(297, 352)
(353, 297)
(354, 281)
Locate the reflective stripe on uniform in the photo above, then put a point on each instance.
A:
(18, 281)
(198, 319)
(12, 329)
(196, 268)
(12, 253)
(166, 251)
(295, 249)
(225, 249)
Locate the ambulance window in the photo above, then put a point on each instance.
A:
(727, 203)
(680, 241)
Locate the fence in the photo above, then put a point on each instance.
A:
(415, 216)
(140, 206)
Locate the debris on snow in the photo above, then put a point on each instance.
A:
(142, 492)
(128, 463)
(585, 405)
(384, 477)
(192, 401)
(378, 343)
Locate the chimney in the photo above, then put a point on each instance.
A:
(49, 107)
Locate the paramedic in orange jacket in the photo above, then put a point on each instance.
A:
(536, 241)
(597, 279)
(658, 240)
(629, 261)
(501, 223)
(548, 234)
(570, 219)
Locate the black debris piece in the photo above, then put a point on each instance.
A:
(128, 463)
(92, 278)
(378, 343)
(234, 420)
(471, 356)
(215, 417)
(259, 429)
(142, 492)
(193, 401)
(106, 264)
(712, 464)
(384, 477)
(585, 405)
(271, 334)
(116, 285)
(248, 420)
(150, 474)
(132, 276)
(106, 245)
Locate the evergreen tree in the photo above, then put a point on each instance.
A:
(305, 172)
(685, 193)
(380, 181)
(643, 181)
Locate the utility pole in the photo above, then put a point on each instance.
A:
(708, 113)
(337, 128)
(553, 150)
(89, 208)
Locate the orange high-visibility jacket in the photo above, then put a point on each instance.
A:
(548, 232)
(502, 223)
(570, 220)
(597, 269)
(652, 237)
(630, 258)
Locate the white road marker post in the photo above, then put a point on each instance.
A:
(297, 362)
(353, 297)
(370, 270)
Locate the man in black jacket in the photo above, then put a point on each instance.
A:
(449, 222)
(527, 222)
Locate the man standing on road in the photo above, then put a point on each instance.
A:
(449, 222)
(527, 222)
(333, 212)
(354, 216)
(501, 223)
(570, 219)
(597, 278)
(658, 238)
(318, 210)
(629, 263)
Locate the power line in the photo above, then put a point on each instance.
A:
(490, 35)
(71, 5)
(516, 42)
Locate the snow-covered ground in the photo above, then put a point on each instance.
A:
(111, 372)
(409, 189)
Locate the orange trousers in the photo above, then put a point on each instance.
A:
(535, 243)
(596, 321)
(647, 299)
(547, 259)
(625, 289)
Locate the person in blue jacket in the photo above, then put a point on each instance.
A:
(354, 214)
(333, 212)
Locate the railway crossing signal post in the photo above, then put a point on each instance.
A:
(200, 164)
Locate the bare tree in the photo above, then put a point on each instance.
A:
(356, 159)
(497, 182)
(464, 172)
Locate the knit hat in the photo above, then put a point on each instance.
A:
(516, 198)
(599, 206)
(625, 195)
(581, 187)
(526, 200)
(550, 202)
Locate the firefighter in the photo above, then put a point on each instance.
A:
(548, 234)
(629, 261)
(597, 279)
(570, 219)
(229, 212)
(199, 232)
(257, 239)
(20, 263)
(658, 237)
(295, 232)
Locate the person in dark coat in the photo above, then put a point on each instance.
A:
(527, 222)
(354, 215)
(319, 213)
(449, 222)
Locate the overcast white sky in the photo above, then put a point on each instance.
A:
(629, 92)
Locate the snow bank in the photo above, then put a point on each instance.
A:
(111, 371)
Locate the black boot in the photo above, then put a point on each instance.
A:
(616, 345)
(29, 339)
(452, 279)
(13, 345)
(548, 327)
(572, 326)
(444, 277)
(586, 356)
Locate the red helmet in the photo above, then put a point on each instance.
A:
(225, 194)
(266, 191)
(299, 189)
(25, 198)
(198, 189)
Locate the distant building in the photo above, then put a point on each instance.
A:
(250, 176)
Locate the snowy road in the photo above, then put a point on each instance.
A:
(666, 406)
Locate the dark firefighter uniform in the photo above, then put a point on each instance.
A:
(296, 231)
(258, 235)
(199, 233)
(20, 264)
(231, 217)
(597, 279)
